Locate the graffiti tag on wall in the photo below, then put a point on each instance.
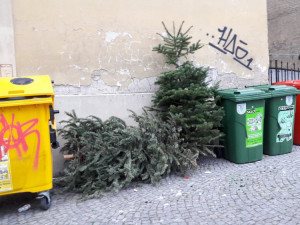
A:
(13, 136)
(229, 43)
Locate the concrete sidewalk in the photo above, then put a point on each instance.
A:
(264, 192)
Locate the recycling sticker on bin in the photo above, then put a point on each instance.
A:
(254, 127)
(5, 171)
(285, 121)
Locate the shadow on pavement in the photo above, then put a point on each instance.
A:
(11, 203)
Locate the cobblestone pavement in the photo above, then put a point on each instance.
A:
(264, 192)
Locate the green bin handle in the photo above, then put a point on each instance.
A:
(259, 85)
(227, 89)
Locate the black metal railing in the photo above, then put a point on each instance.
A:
(279, 71)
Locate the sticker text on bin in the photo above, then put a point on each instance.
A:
(254, 127)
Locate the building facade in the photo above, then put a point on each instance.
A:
(284, 32)
(99, 53)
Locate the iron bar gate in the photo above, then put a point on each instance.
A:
(279, 71)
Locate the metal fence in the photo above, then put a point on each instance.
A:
(279, 71)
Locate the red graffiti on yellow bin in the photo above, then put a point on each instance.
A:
(13, 136)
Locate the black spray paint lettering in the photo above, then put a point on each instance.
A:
(234, 46)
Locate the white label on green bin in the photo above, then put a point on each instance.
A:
(289, 99)
(254, 126)
(285, 121)
(241, 108)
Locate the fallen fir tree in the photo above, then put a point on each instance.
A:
(109, 155)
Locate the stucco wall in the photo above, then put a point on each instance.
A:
(284, 32)
(7, 49)
(100, 52)
(71, 40)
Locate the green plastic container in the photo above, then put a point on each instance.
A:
(279, 118)
(243, 124)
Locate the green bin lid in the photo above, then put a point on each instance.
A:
(243, 95)
(278, 90)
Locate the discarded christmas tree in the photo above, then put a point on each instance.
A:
(109, 155)
(185, 93)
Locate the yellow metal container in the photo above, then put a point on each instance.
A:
(26, 123)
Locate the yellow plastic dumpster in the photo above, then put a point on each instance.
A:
(27, 130)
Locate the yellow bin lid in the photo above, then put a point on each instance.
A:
(39, 85)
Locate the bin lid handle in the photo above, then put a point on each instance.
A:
(15, 92)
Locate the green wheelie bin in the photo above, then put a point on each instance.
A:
(243, 124)
(279, 118)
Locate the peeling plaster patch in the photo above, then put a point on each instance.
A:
(231, 80)
(76, 67)
(124, 72)
(212, 75)
(98, 86)
(126, 34)
(263, 69)
(164, 34)
(77, 29)
(224, 65)
(110, 36)
(153, 37)
(79, 68)
(248, 76)
(66, 90)
(146, 85)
